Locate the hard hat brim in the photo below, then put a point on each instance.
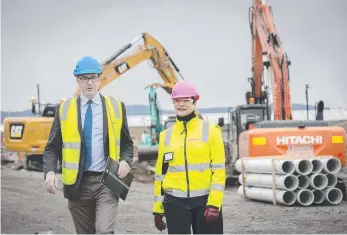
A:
(184, 96)
(87, 72)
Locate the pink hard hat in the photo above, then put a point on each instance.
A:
(184, 89)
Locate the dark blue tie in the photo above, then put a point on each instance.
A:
(87, 135)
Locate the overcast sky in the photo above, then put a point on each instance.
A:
(209, 41)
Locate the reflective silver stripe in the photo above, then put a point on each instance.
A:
(197, 193)
(71, 145)
(66, 105)
(191, 167)
(205, 131)
(216, 166)
(193, 193)
(168, 136)
(158, 198)
(159, 177)
(115, 107)
(69, 165)
(218, 187)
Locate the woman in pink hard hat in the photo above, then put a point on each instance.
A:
(190, 170)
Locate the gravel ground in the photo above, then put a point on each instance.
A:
(28, 208)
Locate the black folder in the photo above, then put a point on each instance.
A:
(111, 180)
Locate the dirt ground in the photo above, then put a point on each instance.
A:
(27, 208)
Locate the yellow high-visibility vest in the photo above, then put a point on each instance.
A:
(72, 139)
(191, 163)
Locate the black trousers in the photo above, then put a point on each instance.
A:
(180, 220)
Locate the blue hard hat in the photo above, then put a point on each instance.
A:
(86, 65)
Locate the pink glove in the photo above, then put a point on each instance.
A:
(159, 223)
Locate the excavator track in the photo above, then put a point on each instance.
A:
(342, 182)
(342, 175)
(231, 177)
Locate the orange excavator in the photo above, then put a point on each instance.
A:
(29, 135)
(253, 130)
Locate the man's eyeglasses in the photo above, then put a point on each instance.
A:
(85, 79)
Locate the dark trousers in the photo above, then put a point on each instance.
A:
(96, 208)
(180, 220)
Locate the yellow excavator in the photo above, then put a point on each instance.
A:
(29, 135)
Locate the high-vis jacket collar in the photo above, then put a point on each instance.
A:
(188, 124)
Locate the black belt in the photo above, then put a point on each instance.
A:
(92, 173)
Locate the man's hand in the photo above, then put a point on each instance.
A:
(124, 169)
(159, 223)
(51, 182)
(211, 214)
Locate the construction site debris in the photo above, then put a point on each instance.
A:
(25, 203)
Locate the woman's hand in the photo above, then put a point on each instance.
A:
(159, 223)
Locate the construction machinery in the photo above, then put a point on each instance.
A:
(148, 146)
(30, 134)
(319, 110)
(153, 52)
(150, 137)
(256, 129)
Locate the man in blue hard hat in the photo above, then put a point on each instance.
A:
(86, 131)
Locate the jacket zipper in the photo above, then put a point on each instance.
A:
(185, 157)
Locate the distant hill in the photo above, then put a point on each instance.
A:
(144, 110)
(25, 113)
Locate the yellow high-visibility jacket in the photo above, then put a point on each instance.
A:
(191, 163)
(72, 139)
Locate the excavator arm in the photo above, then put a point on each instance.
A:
(252, 134)
(151, 50)
(266, 42)
(152, 137)
(34, 132)
(156, 126)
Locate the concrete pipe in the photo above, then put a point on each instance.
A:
(318, 181)
(304, 181)
(265, 194)
(332, 180)
(317, 165)
(333, 195)
(303, 166)
(304, 197)
(264, 165)
(318, 195)
(331, 165)
(286, 182)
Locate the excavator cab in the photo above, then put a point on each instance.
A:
(241, 118)
(49, 110)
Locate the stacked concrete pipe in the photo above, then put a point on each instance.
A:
(303, 182)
